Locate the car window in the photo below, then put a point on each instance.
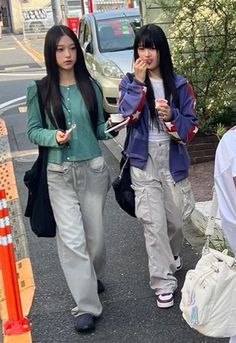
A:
(117, 34)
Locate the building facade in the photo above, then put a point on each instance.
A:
(16, 13)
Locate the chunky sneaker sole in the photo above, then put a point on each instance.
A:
(178, 263)
(165, 300)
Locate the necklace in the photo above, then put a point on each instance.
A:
(68, 84)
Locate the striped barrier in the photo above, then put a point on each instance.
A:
(16, 323)
(14, 308)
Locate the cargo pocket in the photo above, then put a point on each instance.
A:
(142, 210)
(139, 184)
(188, 202)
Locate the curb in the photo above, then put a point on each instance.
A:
(37, 55)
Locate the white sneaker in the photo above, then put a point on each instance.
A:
(178, 263)
(165, 300)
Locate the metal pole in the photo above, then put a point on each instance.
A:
(57, 13)
(82, 7)
(23, 22)
(64, 10)
(143, 12)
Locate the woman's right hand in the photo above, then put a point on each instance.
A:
(140, 68)
(62, 137)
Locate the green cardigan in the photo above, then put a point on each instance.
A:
(83, 143)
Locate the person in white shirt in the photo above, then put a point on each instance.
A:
(225, 186)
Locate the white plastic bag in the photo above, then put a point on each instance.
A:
(208, 301)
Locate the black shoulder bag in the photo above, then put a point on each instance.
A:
(124, 193)
(38, 207)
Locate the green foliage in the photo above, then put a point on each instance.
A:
(220, 244)
(203, 44)
(220, 130)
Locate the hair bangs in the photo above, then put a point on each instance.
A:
(147, 42)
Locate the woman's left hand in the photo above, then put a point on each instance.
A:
(109, 122)
(164, 112)
(62, 137)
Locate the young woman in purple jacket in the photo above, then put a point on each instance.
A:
(161, 107)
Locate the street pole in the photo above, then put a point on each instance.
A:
(143, 12)
(23, 22)
(57, 13)
(64, 11)
(82, 7)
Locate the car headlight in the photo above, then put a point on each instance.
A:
(110, 69)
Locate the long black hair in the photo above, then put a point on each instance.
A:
(50, 85)
(150, 36)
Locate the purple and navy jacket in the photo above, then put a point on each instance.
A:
(133, 103)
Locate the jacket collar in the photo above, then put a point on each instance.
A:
(179, 80)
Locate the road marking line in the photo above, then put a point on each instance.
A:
(22, 109)
(31, 51)
(10, 107)
(29, 74)
(10, 102)
(19, 155)
(16, 67)
(4, 49)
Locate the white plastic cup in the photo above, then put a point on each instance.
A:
(116, 118)
(160, 102)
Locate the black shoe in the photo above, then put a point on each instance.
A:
(101, 287)
(84, 323)
(178, 263)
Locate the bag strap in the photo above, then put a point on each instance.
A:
(212, 216)
(125, 161)
(210, 223)
(41, 107)
(43, 151)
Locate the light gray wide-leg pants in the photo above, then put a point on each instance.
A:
(77, 193)
(159, 205)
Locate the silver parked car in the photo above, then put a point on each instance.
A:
(107, 42)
